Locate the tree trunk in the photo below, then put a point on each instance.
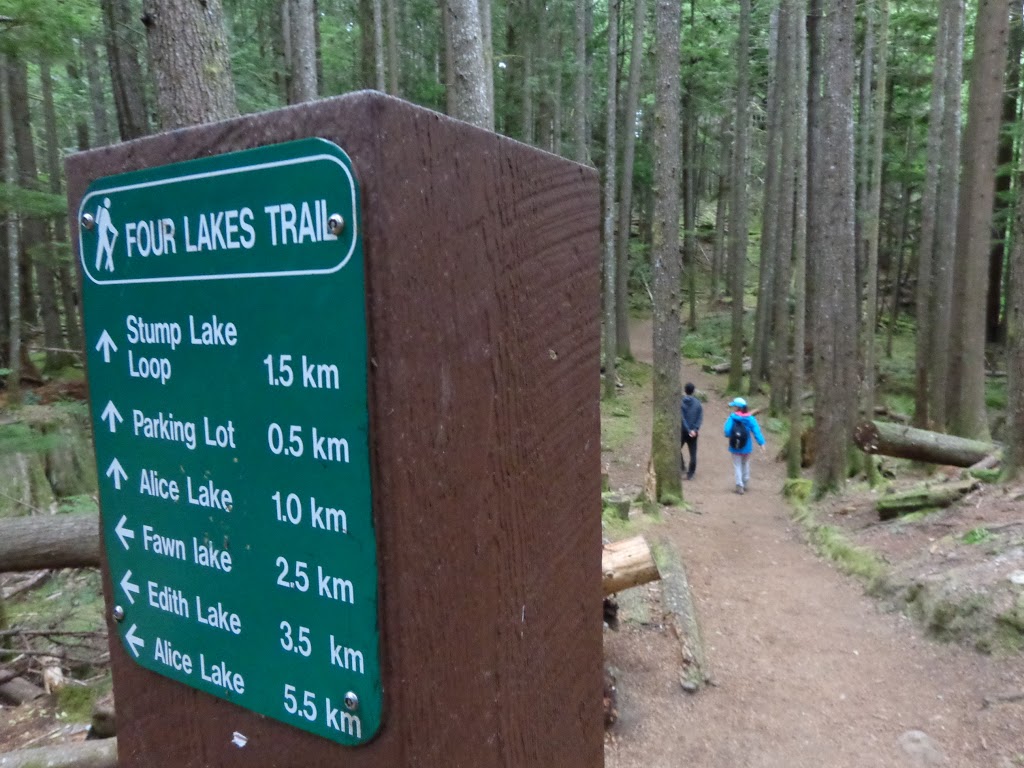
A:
(49, 541)
(799, 87)
(468, 78)
(904, 442)
(665, 437)
(14, 276)
(627, 563)
(690, 196)
(815, 59)
(924, 497)
(901, 241)
(529, 135)
(738, 233)
(977, 185)
(302, 31)
(367, 52)
(947, 205)
(721, 209)
(556, 108)
(760, 354)
(874, 215)
(610, 282)
(579, 117)
(33, 228)
(97, 100)
(391, 11)
(126, 78)
(487, 29)
(378, 46)
(1002, 217)
(626, 186)
(835, 315)
(69, 296)
(864, 149)
(785, 181)
(83, 754)
(1015, 352)
(190, 61)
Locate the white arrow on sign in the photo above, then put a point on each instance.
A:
(124, 533)
(112, 415)
(106, 345)
(134, 642)
(117, 471)
(129, 588)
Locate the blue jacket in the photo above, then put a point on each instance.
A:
(692, 413)
(753, 429)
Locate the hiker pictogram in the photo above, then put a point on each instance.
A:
(106, 237)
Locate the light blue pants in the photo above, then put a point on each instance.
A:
(741, 466)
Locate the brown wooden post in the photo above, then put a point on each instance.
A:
(482, 295)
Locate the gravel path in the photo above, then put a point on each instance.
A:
(807, 670)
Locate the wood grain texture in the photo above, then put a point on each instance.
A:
(483, 287)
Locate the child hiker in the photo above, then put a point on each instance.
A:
(742, 429)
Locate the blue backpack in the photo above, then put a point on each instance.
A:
(739, 434)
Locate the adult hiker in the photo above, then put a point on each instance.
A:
(741, 428)
(693, 416)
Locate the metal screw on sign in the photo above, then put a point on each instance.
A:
(118, 613)
(88, 221)
(336, 223)
(351, 701)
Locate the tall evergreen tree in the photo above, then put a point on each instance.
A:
(190, 59)
(833, 245)
(974, 222)
(665, 436)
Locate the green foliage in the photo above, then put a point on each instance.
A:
(711, 340)
(977, 536)
(617, 423)
(74, 595)
(995, 394)
(987, 475)
(30, 202)
(634, 373)
(45, 27)
(79, 505)
(857, 561)
(21, 438)
(75, 702)
(798, 490)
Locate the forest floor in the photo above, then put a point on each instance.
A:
(806, 669)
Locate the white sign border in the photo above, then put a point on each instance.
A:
(225, 172)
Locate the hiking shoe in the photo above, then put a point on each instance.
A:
(689, 476)
(739, 489)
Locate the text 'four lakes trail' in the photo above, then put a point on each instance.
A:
(233, 435)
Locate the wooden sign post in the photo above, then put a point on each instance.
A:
(343, 373)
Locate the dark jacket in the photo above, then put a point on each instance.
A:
(692, 413)
(753, 432)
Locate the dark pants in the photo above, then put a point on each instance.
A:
(691, 443)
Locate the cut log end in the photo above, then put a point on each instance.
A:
(627, 563)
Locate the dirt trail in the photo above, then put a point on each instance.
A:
(808, 671)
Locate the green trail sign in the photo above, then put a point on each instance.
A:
(227, 354)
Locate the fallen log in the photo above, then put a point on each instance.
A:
(903, 442)
(922, 497)
(627, 563)
(724, 367)
(49, 541)
(989, 462)
(18, 690)
(82, 754)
